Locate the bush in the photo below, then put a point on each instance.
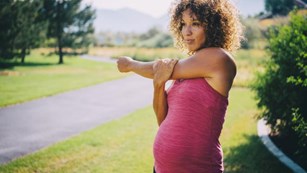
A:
(282, 88)
(159, 40)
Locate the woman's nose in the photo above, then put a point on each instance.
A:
(187, 30)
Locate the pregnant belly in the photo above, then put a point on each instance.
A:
(182, 159)
(178, 155)
(177, 147)
(189, 148)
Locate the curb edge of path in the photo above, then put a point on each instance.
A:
(263, 133)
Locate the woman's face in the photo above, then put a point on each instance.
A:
(193, 32)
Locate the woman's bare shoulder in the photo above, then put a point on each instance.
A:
(214, 53)
(219, 60)
(216, 56)
(222, 68)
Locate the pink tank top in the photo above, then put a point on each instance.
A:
(188, 139)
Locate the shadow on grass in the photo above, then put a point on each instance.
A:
(252, 157)
(289, 145)
(9, 65)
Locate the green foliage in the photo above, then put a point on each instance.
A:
(83, 36)
(153, 38)
(70, 25)
(20, 27)
(279, 7)
(149, 34)
(282, 89)
(24, 24)
(159, 40)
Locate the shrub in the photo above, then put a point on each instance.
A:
(282, 88)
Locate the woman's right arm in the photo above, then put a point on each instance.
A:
(127, 64)
(163, 70)
(160, 102)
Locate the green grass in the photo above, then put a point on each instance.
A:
(125, 145)
(41, 76)
(243, 150)
(249, 62)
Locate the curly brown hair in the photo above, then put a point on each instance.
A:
(220, 19)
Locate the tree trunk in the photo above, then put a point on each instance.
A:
(59, 32)
(61, 60)
(23, 55)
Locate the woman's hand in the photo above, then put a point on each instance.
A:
(124, 64)
(163, 70)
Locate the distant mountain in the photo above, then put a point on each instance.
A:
(130, 20)
(126, 20)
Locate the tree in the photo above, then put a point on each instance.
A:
(150, 33)
(6, 31)
(20, 27)
(279, 7)
(32, 30)
(68, 23)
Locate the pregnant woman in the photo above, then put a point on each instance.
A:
(191, 113)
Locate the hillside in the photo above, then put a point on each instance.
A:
(127, 20)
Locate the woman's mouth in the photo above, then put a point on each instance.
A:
(189, 41)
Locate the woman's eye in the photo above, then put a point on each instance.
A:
(196, 23)
(182, 24)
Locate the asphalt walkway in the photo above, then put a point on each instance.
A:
(30, 126)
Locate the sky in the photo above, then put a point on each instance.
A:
(158, 8)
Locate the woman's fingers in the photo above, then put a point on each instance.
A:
(167, 64)
(163, 69)
(172, 63)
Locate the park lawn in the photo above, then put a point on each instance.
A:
(125, 145)
(42, 76)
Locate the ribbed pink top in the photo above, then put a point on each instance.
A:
(188, 139)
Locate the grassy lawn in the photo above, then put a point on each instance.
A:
(41, 76)
(125, 145)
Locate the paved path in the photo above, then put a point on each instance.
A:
(27, 127)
